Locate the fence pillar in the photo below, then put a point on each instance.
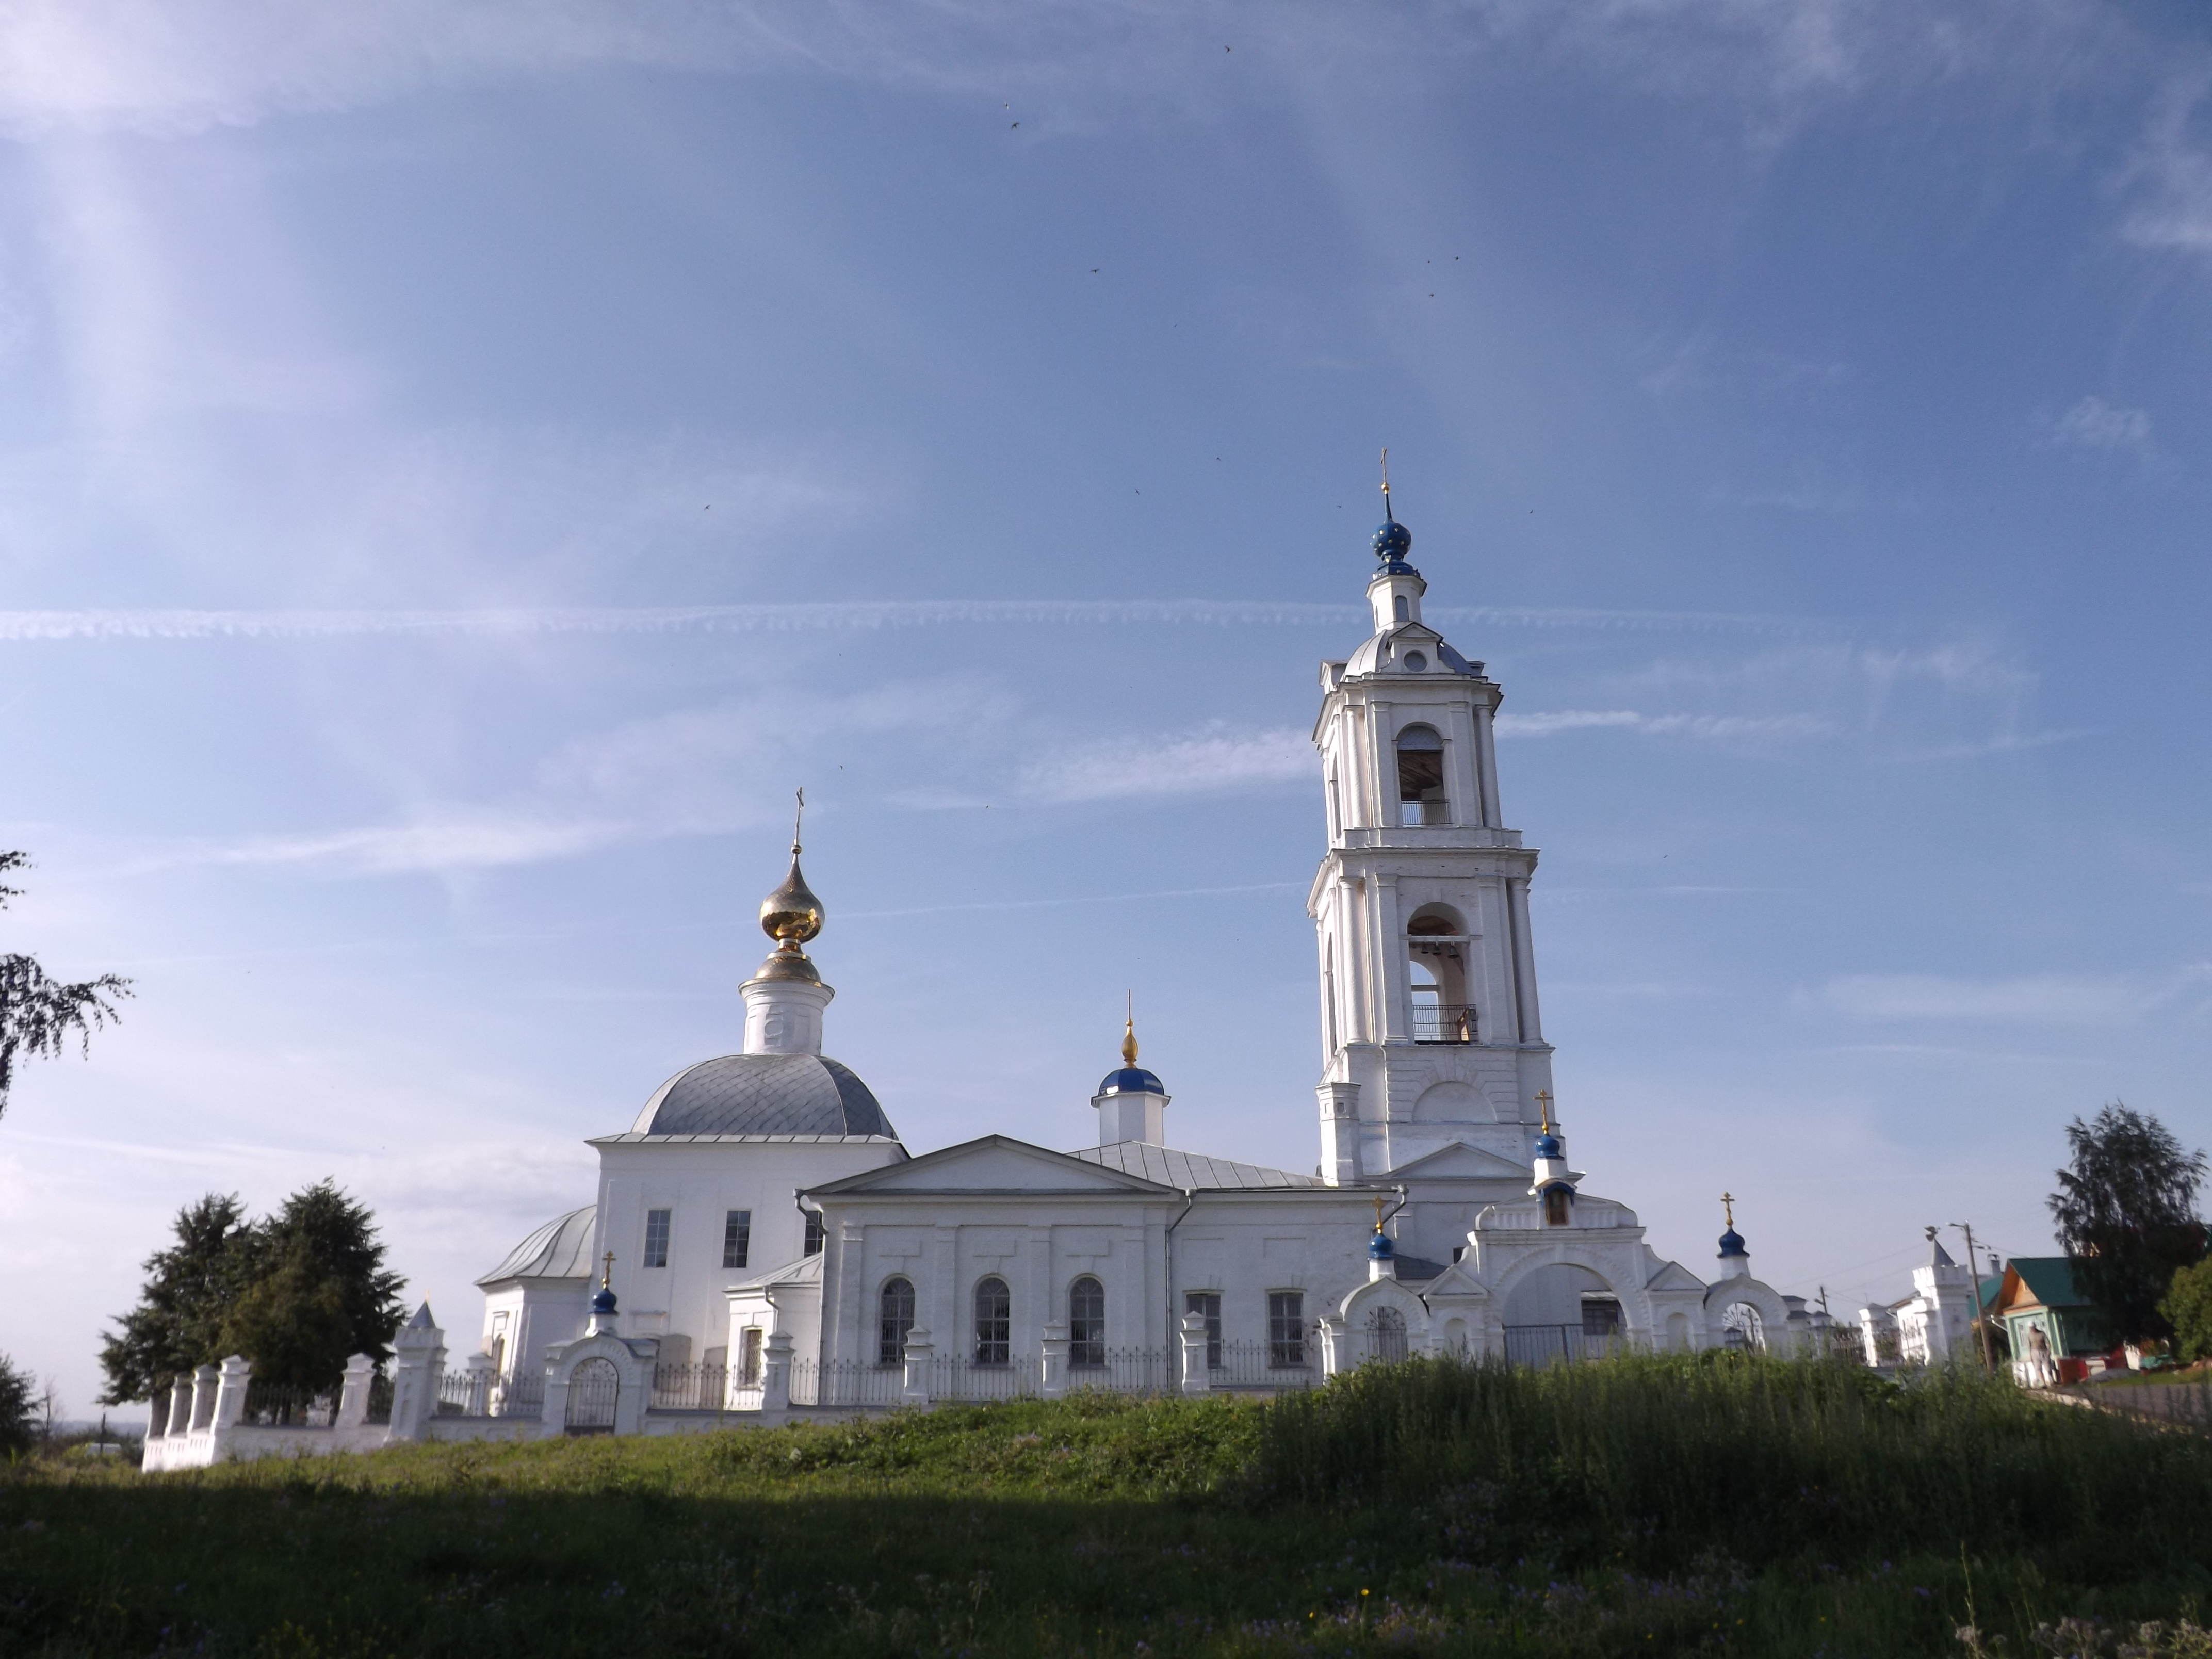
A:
(919, 1357)
(180, 1407)
(1335, 1345)
(776, 1373)
(204, 1381)
(1052, 1382)
(231, 1378)
(353, 1392)
(482, 1367)
(418, 1364)
(1197, 1377)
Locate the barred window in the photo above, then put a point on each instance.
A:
(1086, 1322)
(813, 1246)
(1286, 1327)
(749, 1358)
(737, 1237)
(1208, 1303)
(656, 1238)
(994, 1319)
(897, 1320)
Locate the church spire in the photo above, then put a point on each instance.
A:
(784, 997)
(791, 916)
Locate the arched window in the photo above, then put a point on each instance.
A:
(1399, 608)
(1436, 975)
(1742, 1328)
(1086, 1322)
(1386, 1335)
(994, 1321)
(898, 1310)
(1557, 1207)
(1421, 797)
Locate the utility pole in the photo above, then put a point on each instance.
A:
(1974, 1287)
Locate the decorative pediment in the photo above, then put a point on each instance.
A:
(1463, 1160)
(1674, 1276)
(1457, 1283)
(995, 1163)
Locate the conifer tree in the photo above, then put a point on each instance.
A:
(2126, 1211)
(40, 1014)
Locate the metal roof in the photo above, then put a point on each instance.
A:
(562, 1248)
(764, 1095)
(1188, 1170)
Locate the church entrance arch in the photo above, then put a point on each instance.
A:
(1742, 1330)
(1561, 1312)
(593, 1387)
(1386, 1335)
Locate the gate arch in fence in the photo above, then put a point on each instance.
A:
(597, 1384)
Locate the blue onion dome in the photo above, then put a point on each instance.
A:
(1393, 541)
(1732, 1244)
(1379, 1247)
(602, 1300)
(1547, 1144)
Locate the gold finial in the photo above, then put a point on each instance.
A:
(1727, 1207)
(1378, 1213)
(607, 1272)
(791, 916)
(1386, 487)
(1544, 1101)
(1129, 1032)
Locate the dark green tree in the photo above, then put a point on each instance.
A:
(38, 1015)
(19, 1406)
(2127, 1214)
(2187, 1309)
(189, 1290)
(318, 1292)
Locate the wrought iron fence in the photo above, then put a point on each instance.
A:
(1555, 1345)
(279, 1405)
(954, 1378)
(379, 1398)
(465, 1393)
(1131, 1370)
(1255, 1365)
(593, 1388)
(689, 1387)
(2187, 1404)
(519, 1394)
(842, 1383)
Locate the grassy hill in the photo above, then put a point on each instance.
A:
(1714, 1505)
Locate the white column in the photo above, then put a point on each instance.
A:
(918, 1356)
(1524, 960)
(353, 1392)
(776, 1373)
(205, 1380)
(1053, 1383)
(1390, 982)
(230, 1392)
(1340, 1133)
(1196, 1378)
(1485, 757)
(784, 1016)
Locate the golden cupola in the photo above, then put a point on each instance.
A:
(791, 916)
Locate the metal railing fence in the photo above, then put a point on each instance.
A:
(839, 1382)
(951, 1377)
(1554, 1344)
(1444, 1023)
(1131, 1370)
(277, 1405)
(689, 1387)
(1255, 1365)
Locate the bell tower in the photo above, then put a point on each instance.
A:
(1430, 1030)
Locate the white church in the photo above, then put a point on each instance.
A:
(760, 1222)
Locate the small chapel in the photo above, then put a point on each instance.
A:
(761, 1205)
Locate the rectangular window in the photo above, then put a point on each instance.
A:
(737, 1237)
(749, 1358)
(1286, 1327)
(813, 1234)
(656, 1238)
(1207, 1303)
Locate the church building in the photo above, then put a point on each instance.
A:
(764, 1201)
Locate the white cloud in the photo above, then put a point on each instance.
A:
(438, 844)
(2093, 423)
(1549, 724)
(2048, 999)
(1210, 761)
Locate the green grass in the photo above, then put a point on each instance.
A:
(1713, 1504)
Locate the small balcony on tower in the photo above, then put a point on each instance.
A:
(1436, 977)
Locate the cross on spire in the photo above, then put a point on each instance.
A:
(1727, 1207)
(606, 1277)
(1387, 513)
(797, 818)
(1544, 1101)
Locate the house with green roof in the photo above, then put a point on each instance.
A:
(2046, 1318)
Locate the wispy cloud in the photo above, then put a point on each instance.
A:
(2093, 423)
(2049, 999)
(1209, 762)
(1551, 724)
(23, 626)
(436, 844)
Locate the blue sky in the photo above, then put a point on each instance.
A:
(464, 467)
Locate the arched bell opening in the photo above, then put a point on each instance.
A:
(1436, 976)
(1421, 795)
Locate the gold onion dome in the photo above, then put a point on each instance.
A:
(791, 916)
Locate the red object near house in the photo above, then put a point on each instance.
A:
(2072, 1370)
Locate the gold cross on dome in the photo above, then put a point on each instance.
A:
(1727, 1207)
(1544, 1100)
(1386, 478)
(606, 1278)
